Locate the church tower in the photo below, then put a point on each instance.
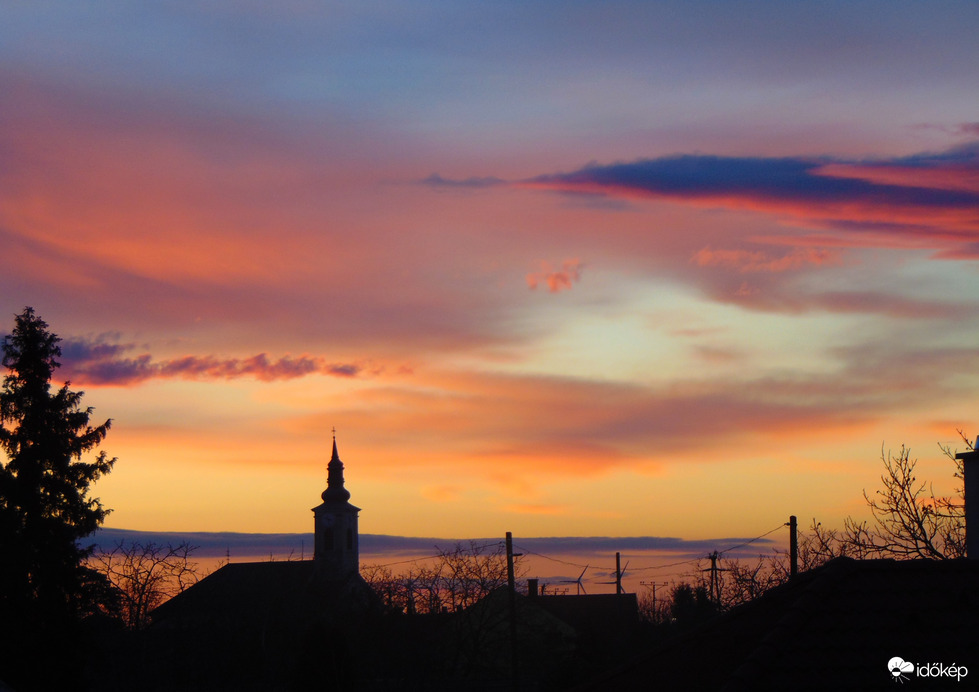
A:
(336, 552)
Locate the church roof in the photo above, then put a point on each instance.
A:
(285, 590)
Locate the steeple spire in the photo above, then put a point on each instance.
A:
(335, 492)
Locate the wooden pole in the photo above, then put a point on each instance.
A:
(793, 547)
(512, 594)
(715, 588)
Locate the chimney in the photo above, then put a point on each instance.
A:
(532, 588)
(970, 479)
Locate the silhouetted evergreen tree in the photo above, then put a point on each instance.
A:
(45, 587)
(691, 605)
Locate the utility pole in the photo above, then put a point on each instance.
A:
(713, 577)
(793, 547)
(652, 585)
(715, 582)
(618, 574)
(512, 594)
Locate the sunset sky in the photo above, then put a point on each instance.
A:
(555, 268)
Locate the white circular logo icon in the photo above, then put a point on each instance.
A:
(898, 667)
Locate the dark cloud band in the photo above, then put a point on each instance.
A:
(99, 362)
(767, 179)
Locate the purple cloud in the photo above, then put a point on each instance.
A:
(796, 180)
(436, 180)
(100, 362)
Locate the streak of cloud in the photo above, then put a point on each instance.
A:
(575, 427)
(933, 197)
(750, 262)
(98, 362)
(435, 180)
(786, 179)
(538, 509)
(219, 544)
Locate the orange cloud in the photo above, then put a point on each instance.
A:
(442, 493)
(537, 509)
(506, 428)
(557, 280)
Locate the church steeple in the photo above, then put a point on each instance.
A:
(336, 553)
(335, 492)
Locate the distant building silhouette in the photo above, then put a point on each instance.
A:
(601, 617)
(291, 592)
(835, 627)
(337, 552)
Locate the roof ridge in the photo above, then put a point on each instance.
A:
(798, 612)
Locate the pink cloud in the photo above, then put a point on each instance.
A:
(748, 262)
(711, 354)
(581, 427)
(557, 280)
(117, 209)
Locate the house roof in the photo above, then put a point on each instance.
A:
(599, 614)
(834, 627)
(282, 590)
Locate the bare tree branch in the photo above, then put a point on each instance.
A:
(909, 519)
(458, 579)
(146, 575)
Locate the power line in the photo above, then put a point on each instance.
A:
(680, 563)
(659, 567)
(497, 544)
(634, 569)
(741, 545)
(552, 559)
(672, 564)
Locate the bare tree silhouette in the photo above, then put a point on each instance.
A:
(146, 575)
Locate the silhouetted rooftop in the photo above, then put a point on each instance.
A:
(286, 589)
(833, 628)
(600, 614)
